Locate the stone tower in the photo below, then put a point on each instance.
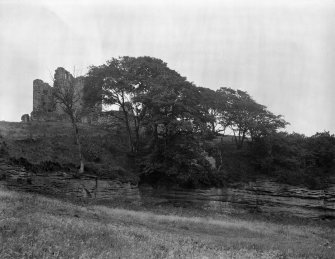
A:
(45, 107)
(43, 103)
(42, 96)
(64, 80)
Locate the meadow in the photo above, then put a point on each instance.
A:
(35, 226)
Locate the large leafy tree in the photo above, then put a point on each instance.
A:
(245, 117)
(243, 111)
(155, 98)
(115, 83)
(265, 123)
(226, 100)
(174, 113)
(146, 90)
(175, 119)
(209, 106)
(172, 105)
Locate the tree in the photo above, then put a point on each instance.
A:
(265, 123)
(246, 117)
(158, 99)
(144, 88)
(117, 83)
(322, 146)
(209, 106)
(175, 114)
(67, 95)
(111, 83)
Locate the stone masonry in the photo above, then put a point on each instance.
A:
(45, 107)
(42, 96)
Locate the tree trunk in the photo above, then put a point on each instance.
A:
(239, 139)
(155, 135)
(235, 138)
(213, 127)
(131, 144)
(137, 139)
(137, 133)
(81, 169)
(242, 140)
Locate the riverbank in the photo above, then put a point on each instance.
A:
(47, 147)
(34, 226)
(258, 197)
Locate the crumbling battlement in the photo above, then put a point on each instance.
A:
(42, 96)
(45, 107)
(64, 79)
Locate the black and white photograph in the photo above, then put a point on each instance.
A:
(167, 129)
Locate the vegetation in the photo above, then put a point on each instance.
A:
(33, 226)
(172, 125)
(68, 97)
(295, 158)
(174, 132)
(43, 147)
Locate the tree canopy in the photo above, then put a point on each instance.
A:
(167, 118)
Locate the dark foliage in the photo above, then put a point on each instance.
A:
(42, 167)
(180, 162)
(172, 125)
(295, 158)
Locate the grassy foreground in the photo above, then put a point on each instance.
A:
(33, 226)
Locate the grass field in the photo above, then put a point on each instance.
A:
(33, 226)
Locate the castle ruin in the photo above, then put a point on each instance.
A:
(46, 108)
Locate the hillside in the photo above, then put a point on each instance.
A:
(52, 144)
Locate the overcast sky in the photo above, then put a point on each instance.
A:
(282, 52)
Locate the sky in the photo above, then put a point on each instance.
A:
(282, 52)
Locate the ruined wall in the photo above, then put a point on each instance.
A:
(45, 107)
(42, 96)
(65, 80)
(104, 118)
(79, 86)
(43, 102)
